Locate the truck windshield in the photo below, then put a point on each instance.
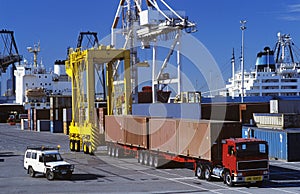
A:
(52, 157)
(251, 149)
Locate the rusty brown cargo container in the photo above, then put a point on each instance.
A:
(199, 139)
(127, 130)
(114, 129)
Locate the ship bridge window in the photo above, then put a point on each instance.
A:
(289, 80)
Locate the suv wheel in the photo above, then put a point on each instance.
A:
(50, 175)
(31, 172)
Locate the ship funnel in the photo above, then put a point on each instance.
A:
(265, 60)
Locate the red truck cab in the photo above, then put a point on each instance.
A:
(245, 161)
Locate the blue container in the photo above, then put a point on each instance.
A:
(283, 144)
(56, 127)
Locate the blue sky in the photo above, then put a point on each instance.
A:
(56, 24)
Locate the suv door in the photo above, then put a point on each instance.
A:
(40, 163)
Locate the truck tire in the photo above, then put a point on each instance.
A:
(228, 179)
(199, 171)
(85, 149)
(207, 173)
(50, 175)
(77, 145)
(72, 146)
(31, 172)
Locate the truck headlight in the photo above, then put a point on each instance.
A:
(266, 172)
(239, 174)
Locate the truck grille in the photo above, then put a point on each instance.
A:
(253, 165)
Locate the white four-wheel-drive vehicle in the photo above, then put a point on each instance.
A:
(47, 161)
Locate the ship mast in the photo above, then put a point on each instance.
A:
(243, 28)
(35, 50)
(233, 71)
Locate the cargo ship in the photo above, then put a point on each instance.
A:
(276, 73)
(34, 83)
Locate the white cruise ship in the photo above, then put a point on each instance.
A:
(276, 73)
(34, 83)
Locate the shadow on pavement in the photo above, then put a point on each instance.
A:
(85, 177)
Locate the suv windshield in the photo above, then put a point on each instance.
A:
(52, 157)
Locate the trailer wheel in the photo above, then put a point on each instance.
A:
(156, 161)
(112, 151)
(151, 160)
(146, 158)
(140, 157)
(228, 179)
(109, 150)
(117, 152)
(207, 173)
(199, 171)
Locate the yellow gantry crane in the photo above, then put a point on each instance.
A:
(81, 66)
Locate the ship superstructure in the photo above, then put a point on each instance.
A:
(34, 83)
(276, 73)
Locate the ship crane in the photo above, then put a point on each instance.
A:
(146, 23)
(9, 53)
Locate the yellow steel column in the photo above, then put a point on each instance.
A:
(109, 85)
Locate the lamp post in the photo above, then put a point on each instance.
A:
(243, 28)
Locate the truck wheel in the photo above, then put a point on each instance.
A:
(76, 145)
(50, 175)
(31, 171)
(199, 171)
(85, 149)
(72, 148)
(228, 179)
(207, 173)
